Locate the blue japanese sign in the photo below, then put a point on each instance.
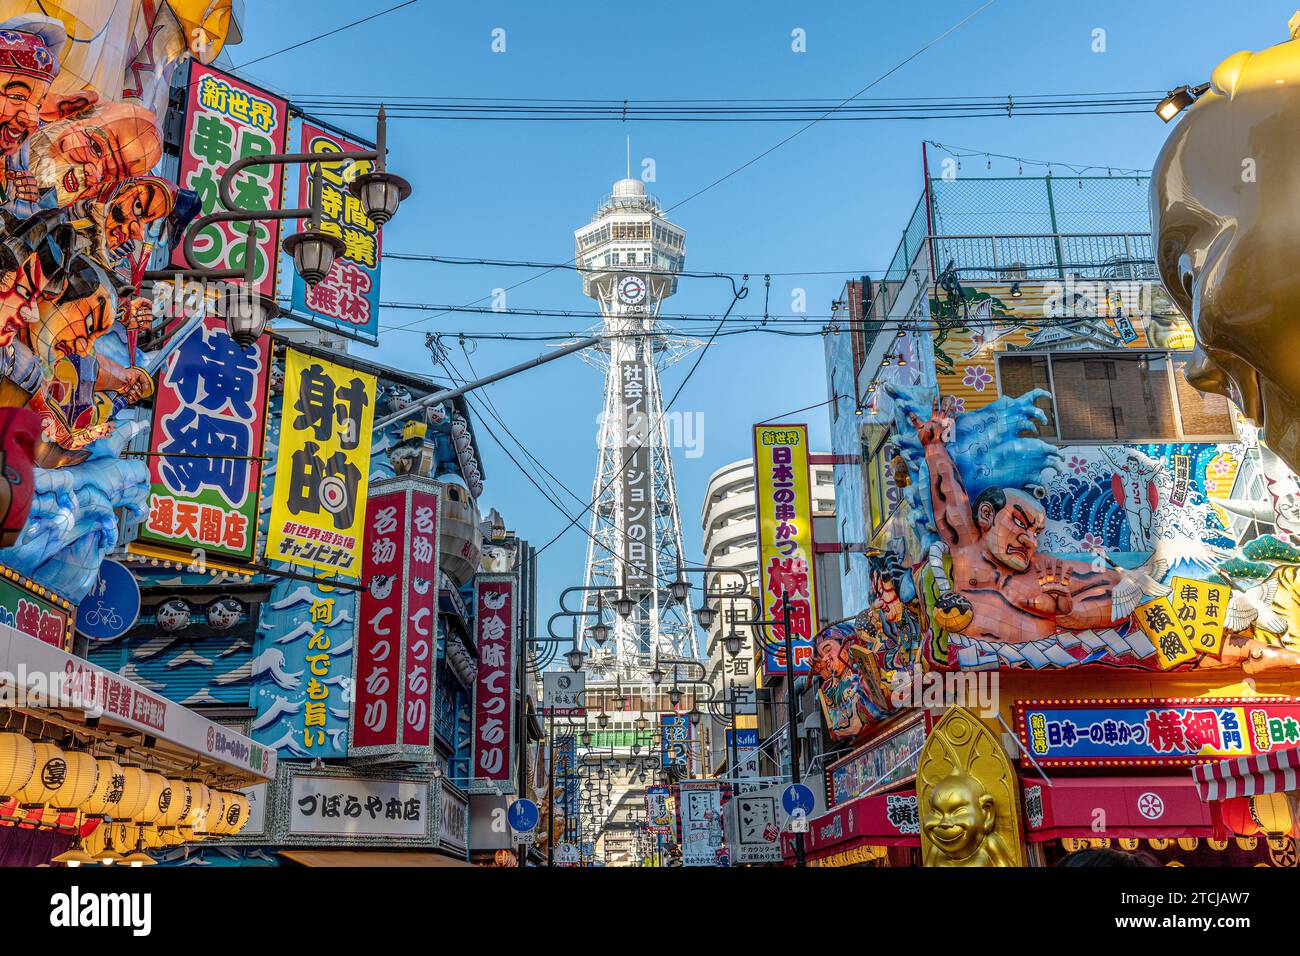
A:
(676, 739)
(113, 604)
(1155, 732)
(744, 738)
(797, 797)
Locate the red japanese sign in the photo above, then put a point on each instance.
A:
(397, 641)
(227, 120)
(494, 696)
(421, 619)
(209, 425)
(45, 616)
(379, 637)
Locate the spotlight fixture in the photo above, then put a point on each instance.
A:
(1178, 99)
(1015, 290)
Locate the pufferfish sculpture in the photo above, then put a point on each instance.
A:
(1225, 211)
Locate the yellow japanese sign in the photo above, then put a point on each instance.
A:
(1201, 609)
(1159, 622)
(323, 465)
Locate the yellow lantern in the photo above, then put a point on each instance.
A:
(103, 801)
(200, 797)
(1272, 811)
(1188, 843)
(135, 791)
(1129, 843)
(150, 838)
(1158, 843)
(1100, 843)
(17, 763)
(79, 780)
(1217, 845)
(1247, 843)
(157, 798)
(237, 818)
(178, 803)
(215, 817)
(50, 772)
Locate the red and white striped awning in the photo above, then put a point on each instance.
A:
(1275, 772)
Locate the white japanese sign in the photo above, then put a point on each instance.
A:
(358, 806)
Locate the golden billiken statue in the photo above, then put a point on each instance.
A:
(1016, 594)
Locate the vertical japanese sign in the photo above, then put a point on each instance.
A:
(700, 808)
(209, 425)
(396, 641)
(637, 492)
(318, 506)
(675, 741)
(347, 299)
(785, 543)
(658, 811)
(227, 120)
(494, 697)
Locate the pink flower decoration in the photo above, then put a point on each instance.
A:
(977, 377)
(1092, 543)
(1077, 465)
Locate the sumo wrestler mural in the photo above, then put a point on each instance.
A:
(1000, 599)
(80, 212)
(1224, 194)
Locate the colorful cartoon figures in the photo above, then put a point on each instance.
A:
(85, 156)
(1223, 197)
(1015, 594)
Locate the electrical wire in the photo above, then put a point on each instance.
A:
(329, 33)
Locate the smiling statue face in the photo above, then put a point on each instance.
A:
(1225, 208)
(79, 158)
(960, 815)
(1011, 531)
(20, 107)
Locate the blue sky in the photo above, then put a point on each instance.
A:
(834, 199)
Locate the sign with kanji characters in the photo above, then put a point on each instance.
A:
(1201, 609)
(636, 488)
(754, 829)
(393, 687)
(563, 694)
(35, 611)
(492, 759)
(659, 810)
(675, 741)
(699, 809)
(209, 428)
(1159, 622)
(347, 299)
(228, 119)
(785, 544)
(337, 806)
(321, 471)
(1154, 732)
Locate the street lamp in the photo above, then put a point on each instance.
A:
(1178, 99)
(656, 676)
(680, 589)
(586, 737)
(575, 658)
(694, 715)
(623, 604)
(705, 615)
(602, 720)
(245, 312)
(733, 642)
(675, 696)
(641, 724)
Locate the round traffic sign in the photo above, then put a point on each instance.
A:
(797, 798)
(113, 604)
(523, 816)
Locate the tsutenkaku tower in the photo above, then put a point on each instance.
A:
(630, 256)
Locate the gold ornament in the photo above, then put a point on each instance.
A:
(968, 796)
(1223, 193)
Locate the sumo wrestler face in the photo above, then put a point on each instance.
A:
(1010, 521)
(80, 158)
(1225, 206)
(960, 815)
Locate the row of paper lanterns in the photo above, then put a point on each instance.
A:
(1188, 844)
(143, 805)
(1271, 814)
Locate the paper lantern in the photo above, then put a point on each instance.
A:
(236, 813)
(17, 763)
(108, 790)
(1158, 843)
(1188, 843)
(79, 779)
(1129, 843)
(177, 798)
(135, 791)
(200, 797)
(1247, 843)
(150, 838)
(211, 823)
(157, 799)
(1237, 816)
(50, 771)
(1272, 812)
(1217, 845)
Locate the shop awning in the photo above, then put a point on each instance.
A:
(1276, 772)
(881, 820)
(1098, 807)
(371, 858)
(84, 693)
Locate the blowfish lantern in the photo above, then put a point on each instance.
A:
(1225, 212)
(173, 615)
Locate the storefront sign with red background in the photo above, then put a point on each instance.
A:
(494, 695)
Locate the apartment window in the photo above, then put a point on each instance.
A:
(1117, 397)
